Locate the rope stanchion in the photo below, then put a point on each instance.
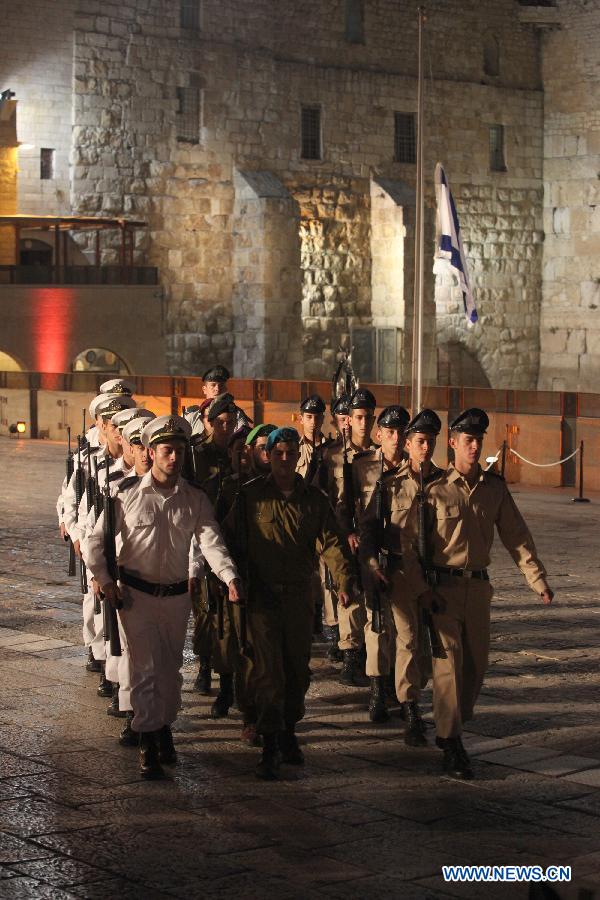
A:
(558, 462)
(581, 498)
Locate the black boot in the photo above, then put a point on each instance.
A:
(113, 709)
(414, 735)
(92, 665)
(129, 737)
(150, 767)
(288, 745)
(456, 761)
(105, 687)
(377, 705)
(390, 687)
(334, 653)
(203, 678)
(166, 748)
(268, 766)
(351, 669)
(224, 699)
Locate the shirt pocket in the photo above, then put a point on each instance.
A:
(183, 520)
(145, 518)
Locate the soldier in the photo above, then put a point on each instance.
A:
(399, 489)
(211, 465)
(351, 620)
(340, 411)
(312, 442)
(215, 382)
(156, 517)
(117, 386)
(256, 444)
(465, 505)
(279, 524)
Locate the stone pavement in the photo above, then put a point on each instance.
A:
(366, 818)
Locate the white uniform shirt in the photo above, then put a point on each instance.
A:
(156, 532)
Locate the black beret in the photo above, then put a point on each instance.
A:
(216, 373)
(312, 404)
(363, 399)
(425, 422)
(222, 403)
(341, 406)
(393, 417)
(471, 421)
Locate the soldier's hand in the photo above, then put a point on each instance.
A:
(380, 576)
(353, 542)
(96, 587)
(547, 597)
(111, 592)
(77, 549)
(236, 594)
(432, 601)
(63, 532)
(344, 599)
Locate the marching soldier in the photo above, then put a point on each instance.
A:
(465, 506)
(313, 442)
(156, 518)
(279, 525)
(340, 411)
(256, 444)
(399, 489)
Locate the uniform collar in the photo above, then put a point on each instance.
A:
(300, 486)
(455, 475)
(147, 482)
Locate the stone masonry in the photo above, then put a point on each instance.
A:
(251, 68)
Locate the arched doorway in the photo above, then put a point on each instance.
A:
(9, 364)
(97, 359)
(459, 368)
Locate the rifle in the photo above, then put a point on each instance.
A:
(377, 612)
(110, 621)
(331, 587)
(315, 469)
(98, 505)
(79, 490)
(350, 501)
(69, 471)
(433, 646)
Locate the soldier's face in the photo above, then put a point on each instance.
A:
(128, 456)
(361, 421)
(223, 427)
(260, 455)
(111, 434)
(98, 424)
(141, 459)
(420, 447)
(342, 423)
(237, 456)
(312, 423)
(168, 457)
(467, 448)
(212, 389)
(390, 440)
(284, 459)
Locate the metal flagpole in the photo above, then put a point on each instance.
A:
(417, 358)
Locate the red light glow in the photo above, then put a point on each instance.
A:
(53, 312)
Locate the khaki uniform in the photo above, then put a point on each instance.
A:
(461, 532)
(284, 538)
(411, 668)
(321, 597)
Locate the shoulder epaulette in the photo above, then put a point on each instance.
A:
(494, 475)
(127, 482)
(390, 473)
(252, 481)
(363, 453)
(114, 476)
(102, 463)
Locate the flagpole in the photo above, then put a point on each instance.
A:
(417, 357)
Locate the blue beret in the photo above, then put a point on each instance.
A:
(282, 434)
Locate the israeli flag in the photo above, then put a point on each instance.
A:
(449, 242)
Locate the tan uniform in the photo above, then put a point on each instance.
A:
(411, 669)
(284, 537)
(321, 597)
(461, 532)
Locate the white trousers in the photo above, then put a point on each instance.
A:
(118, 669)
(87, 610)
(155, 629)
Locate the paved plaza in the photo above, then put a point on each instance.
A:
(366, 818)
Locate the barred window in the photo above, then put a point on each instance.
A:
(311, 132)
(46, 164)
(355, 21)
(189, 101)
(497, 160)
(405, 142)
(189, 14)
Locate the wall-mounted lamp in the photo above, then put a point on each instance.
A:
(24, 145)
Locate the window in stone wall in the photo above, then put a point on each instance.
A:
(405, 137)
(311, 132)
(491, 55)
(189, 106)
(189, 14)
(497, 161)
(355, 21)
(46, 164)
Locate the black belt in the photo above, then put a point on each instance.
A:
(157, 590)
(480, 574)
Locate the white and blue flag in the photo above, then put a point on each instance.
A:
(449, 241)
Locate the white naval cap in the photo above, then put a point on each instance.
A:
(132, 431)
(165, 428)
(121, 419)
(114, 403)
(117, 386)
(100, 398)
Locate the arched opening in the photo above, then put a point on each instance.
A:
(96, 359)
(9, 364)
(459, 368)
(491, 55)
(33, 252)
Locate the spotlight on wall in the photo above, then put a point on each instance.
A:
(18, 427)
(24, 145)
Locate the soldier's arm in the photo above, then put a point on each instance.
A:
(96, 560)
(211, 542)
(333, 548)
(70, 509)
(410, 557)
(517, 539)
(368, 530)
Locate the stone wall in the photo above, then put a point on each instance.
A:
(570, 317)
(8, 178)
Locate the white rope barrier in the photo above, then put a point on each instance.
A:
(544, 465)
(492, 460)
